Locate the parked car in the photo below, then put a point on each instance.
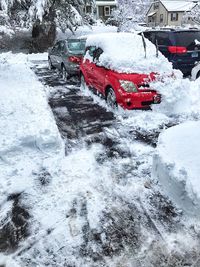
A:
(66, 56)
(116, 66)
(179, 46)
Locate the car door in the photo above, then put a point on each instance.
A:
(53, 54)
(58, 54)
(88, 66)
(98, 72)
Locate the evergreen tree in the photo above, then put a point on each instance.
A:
(43, 16)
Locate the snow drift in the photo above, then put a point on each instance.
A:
(176, 165)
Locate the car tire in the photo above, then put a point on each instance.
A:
(51, 67)
(83, 83)
(198, 75)
(64, 73)
(111, 99)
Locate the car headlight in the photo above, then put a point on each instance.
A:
(128, 86)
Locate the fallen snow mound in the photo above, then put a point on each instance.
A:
(124, 52)
(176, 165)
(26, 119)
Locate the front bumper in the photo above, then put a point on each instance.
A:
(141, 100)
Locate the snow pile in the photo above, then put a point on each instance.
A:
(63, 195)
(30, 122)
(176, 165)
(27, 127)
(124, 52)
(6, 30)
(179, 96)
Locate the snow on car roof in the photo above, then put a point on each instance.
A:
(124, 52)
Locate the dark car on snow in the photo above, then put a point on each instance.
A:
(180, 46)
(66, 56)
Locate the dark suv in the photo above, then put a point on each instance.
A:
(180, 46)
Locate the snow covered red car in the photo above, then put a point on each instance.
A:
(121, 66)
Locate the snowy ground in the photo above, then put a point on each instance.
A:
(80, 193)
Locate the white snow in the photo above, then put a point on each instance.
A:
(177, 164)
(181, 6)
(30, 122)
(86, 30)
(30, 144)
(5, 30)
(124, 52)
(197, 42)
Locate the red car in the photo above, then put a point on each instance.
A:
(129, 90)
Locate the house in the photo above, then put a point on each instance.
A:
(101, 9)
(168, 12)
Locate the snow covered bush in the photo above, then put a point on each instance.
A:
(130, 12)
(192, 16)
(43, 16)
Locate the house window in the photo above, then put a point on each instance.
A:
(161, 17)
(106, 11)
(174, 16)
(88, 9)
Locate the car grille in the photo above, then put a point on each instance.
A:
(146, 103)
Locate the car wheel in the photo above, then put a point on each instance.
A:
(65, 74)
(83, 83)
(198, 75)
(51, 67)
(111, 99)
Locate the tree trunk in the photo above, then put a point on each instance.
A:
(43, 36)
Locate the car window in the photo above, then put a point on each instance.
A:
(187, 39)
(76, 46)
(163, 38)
(150, 36)
(96, 54)
(91, 50)
(61, 46)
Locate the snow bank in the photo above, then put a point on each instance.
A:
(124, 52)
(31, 155)
(176, 165)
(27, 126)
(179, 96)
(29, 123)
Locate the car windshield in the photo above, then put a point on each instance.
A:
(187, 39)
(76, 46)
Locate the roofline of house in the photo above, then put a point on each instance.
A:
(160, 1)
(176, 10)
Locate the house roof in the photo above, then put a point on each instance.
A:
(106, 3)
(175, 6)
